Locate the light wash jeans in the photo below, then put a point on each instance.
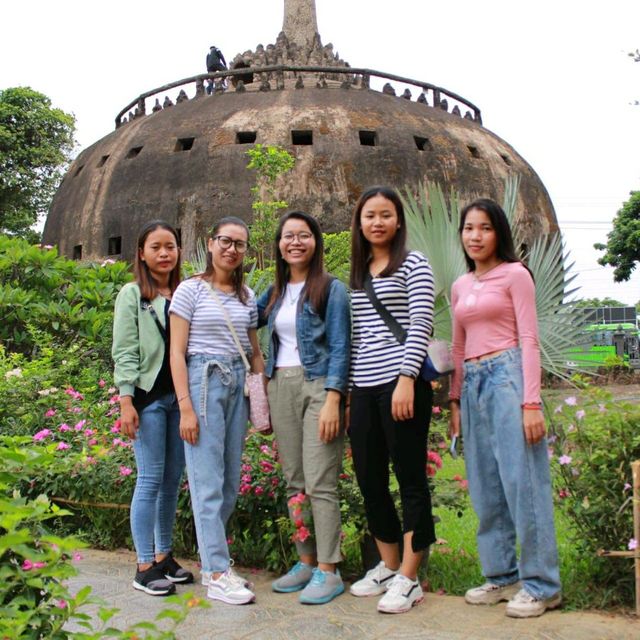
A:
(509, 480)
(309, 465)
(216, 386)
(160, 461)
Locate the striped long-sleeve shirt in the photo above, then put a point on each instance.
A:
(376, 356)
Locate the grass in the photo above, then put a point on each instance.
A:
(454, 565)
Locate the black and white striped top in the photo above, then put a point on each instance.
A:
(376, 356)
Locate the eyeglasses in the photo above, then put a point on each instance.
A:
(303, 236)
(225, 243)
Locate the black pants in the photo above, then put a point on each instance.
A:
(375, 439)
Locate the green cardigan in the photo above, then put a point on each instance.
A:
(138, 346)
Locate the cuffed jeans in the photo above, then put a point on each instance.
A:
(375, 437)
(159, 456)
(216, 387)
(509, 480)
(309, 465)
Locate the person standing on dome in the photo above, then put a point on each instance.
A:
(215, 62)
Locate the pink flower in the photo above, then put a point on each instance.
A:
(88, 432)
(76, 395)
(91, 460)
(434, 458)
(299, 498)
(61, 604)
(558, 409)
(258, 491)
(41, 435)
(626, 487)
(564, 459)
(76, 409)
(464, 484)
(602, 408)
(80, 425)
(550, 453)
(229, 541)
(572, 401)
(275, 481)
(62, 446)
(101, 383)
(297, 512)
(271, 494)
(111, 390)
(38, 565)
(563, 493)
(633, 544)
(27, 565)
(244, 489)
(114, 399)
(64, 427)
(77, 556)
(266, 449)
(92, 443)
(49, 413)
(246, 478)
(246, 467)
(431, 471)
(436, 410)
(266, 466)
(125, 471)
(580, 413)
(299, 522)
(303, 533)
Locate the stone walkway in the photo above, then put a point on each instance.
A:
(280, 616)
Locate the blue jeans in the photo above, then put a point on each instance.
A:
(160, 460)
(509, 480)
(216, 386)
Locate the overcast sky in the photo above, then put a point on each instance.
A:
(551, 77)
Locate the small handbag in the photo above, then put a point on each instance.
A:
(439, 361)
(254, 382)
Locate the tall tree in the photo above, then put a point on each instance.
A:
(36, 141)
(623, 241)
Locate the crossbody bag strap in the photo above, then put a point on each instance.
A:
(145, 303)
(398, 331)
(216, 297)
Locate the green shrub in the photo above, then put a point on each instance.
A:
(594, 440)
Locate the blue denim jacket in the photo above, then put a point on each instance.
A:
(324, 345)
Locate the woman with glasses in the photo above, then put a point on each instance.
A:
(309, 324)
(209, 378)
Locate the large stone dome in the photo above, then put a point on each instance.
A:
(186, 163)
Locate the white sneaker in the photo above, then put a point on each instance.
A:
(490, 593)
(524, 605)
(230, 588)
(207, 575)
(375, 581)
(402, 594)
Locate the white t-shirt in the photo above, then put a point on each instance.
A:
(285, 327)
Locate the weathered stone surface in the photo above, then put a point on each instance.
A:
(193, 188)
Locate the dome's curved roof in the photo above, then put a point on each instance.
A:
(187, 163)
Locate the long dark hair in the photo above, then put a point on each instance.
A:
(237, 277)
(146, 282)
(316, 286)
(505, 249)
(361, 247)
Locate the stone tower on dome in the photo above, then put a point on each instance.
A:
(178, 153)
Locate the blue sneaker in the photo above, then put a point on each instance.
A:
(323, 587)
(295, 579)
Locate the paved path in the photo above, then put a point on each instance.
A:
(280, 616)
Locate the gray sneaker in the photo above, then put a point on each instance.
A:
(295, 579)
(490, 593)
(323, 587)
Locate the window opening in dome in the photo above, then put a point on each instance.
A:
(473, 151)
(302, 137)
(78, 170)
(506, 158)
(115, 246)
(102, 162)
(77, 252)
(133, 152)
(368, 138)
(423, 144)
(246, 137)
(184, 144)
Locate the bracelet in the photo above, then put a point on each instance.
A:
(183, 398)
(533, 406)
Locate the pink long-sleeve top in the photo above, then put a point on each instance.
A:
(495, 312)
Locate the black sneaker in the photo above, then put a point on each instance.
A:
(153, 582)
(174, 572)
